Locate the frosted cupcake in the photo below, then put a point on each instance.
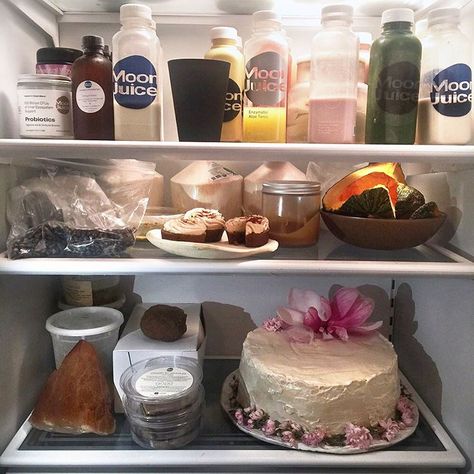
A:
(213, 220)
(252, 231)
(188, 230)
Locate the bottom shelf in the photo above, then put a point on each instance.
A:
(223, 448)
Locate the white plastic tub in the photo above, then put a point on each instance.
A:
(96, 324)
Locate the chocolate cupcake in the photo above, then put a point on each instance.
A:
(235, 229)
(213, 220)
(257, 231)
(187, 230)
(252, 231)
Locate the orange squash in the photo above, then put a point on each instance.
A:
(355, 183)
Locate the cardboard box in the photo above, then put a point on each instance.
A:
(133, 346)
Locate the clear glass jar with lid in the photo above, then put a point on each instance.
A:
(292, 207)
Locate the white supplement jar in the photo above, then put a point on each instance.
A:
(44, 106)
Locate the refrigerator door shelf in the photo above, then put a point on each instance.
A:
(222, 448)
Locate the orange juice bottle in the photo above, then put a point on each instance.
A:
(266, 80)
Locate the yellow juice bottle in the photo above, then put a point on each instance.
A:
(266, 56)
(225, 47)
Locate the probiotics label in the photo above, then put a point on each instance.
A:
(90, 97)
(265, 79)
(164, 382)
(135, 82)
(451, 91)
(397, 88)
(233, 101)
(44, 113)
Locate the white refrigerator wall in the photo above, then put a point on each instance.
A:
(25, 302)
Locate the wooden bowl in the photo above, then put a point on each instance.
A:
(382, 234)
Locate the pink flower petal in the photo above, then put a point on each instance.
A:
(350, 309)
(342, 302)
(302, 300)
(367, 328)
(291, 316)
(341, 333)
(312, 320)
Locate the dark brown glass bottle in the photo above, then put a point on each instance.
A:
(93, 106)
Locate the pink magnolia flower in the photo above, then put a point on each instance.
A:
(250, 423)
(306, 314)
(269, 427)
(391, 429)
(357, 436)
(313, 438)
(349, 311)
(309, 314)
(288, 437)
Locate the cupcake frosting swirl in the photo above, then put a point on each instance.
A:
(212, 218)
(185, 226)
(256, 224)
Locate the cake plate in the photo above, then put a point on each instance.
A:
(230, 404)
(214, 250)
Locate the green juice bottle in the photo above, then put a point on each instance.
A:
(394, 81)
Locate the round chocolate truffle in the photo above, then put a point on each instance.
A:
(164, 323)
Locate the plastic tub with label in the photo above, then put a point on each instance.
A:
(163, 400)
(97, 325)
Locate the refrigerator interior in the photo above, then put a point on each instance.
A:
(425, 301)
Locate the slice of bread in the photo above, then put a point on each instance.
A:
(76, 398)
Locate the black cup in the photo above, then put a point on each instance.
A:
(199, 88)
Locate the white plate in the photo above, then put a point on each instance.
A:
(322, 448)
(215, 250)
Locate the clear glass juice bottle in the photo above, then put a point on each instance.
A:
(394, 81)
(446, 81)
(266, 80)
(334, 71)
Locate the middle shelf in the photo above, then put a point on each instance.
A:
(329, 256)
(153, 151)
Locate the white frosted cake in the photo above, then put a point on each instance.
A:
(325, 383)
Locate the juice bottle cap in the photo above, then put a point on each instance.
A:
(224, 32)
(444, 15)
(398, 14)
(264, 16)
(134, 10)
(337, 12)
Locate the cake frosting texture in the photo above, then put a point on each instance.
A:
(326, 383)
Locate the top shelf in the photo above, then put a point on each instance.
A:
(17, 149)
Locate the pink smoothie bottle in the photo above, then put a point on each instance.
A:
(334, 72)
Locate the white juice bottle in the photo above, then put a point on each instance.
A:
(137, 76)
(334, 71)
(446, 82)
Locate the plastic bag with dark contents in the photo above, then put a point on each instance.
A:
(65, 212)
